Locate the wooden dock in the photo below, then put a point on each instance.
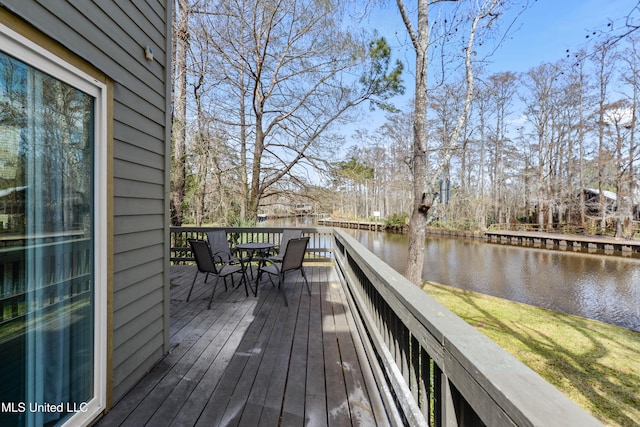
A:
(568, 241)
(252, 361)
(361, 225)
(548, 240)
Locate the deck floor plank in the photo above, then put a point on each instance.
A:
(316, 392)
(337, 402)
(293, 413)
(252, 361)
(187, 371)
(272, 396)
(361, 404)
(254, 383)
(216, 379)
(203, 372)
(228, 399)
(149, 390)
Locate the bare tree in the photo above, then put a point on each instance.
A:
(603, 60)
(618, 118)
(631, 76)
(501, 90)
(542, 85)
(423, 181)
(615, 31)
(295, 77)
(397, 133)
(179, 132)
(482, 104)
(580, 87)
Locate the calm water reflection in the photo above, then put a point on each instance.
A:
(605, 288)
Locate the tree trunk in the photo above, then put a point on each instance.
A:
(581, 138)
(423, 184)
(244, 179)
(179, 168)
(603, 64)
(256, 191)
(418, 221)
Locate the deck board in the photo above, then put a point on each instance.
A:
(252, 361)
(337, 402)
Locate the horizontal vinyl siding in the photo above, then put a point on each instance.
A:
(140, 240)
(143, 140)
(132, 223)
(112, 35)
(137, 189)
(134, 206)
(146, 356)
(133, 259)
(146, 298)
(135, 116)
(129, 277)
(138, 336)
(136, 172)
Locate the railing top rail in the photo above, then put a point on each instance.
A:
(473, 362)
(327, 230)
(319, 250)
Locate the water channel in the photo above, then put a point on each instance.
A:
(597, 286)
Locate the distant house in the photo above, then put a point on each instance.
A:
(11, 207)
(84, 161)
(302, 209)
(592, 201)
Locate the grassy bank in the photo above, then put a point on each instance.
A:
(597, 365)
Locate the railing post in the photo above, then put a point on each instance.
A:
(447, 407)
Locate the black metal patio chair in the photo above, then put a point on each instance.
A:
(291, 261)
(215, 265)
(287, 234)
(219, 245)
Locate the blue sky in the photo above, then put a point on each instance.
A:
(550, 27)
(543, 33)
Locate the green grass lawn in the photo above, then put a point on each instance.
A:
(597, 365)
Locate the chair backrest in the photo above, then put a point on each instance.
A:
(200, 250)
(218, 244)
(294, 254)
(288, 234)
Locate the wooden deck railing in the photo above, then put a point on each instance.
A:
(437, 369)
(43, 279)
(441, 371)
(62, 276)
(320, 243)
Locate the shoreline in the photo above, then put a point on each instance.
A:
(584, 243)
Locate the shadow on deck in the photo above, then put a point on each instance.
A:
(252, 361)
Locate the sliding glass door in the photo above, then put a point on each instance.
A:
(51, 289)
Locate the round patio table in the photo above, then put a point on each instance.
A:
(253, 248)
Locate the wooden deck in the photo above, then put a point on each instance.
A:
(252, 361)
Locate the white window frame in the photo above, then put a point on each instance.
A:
(32, 54)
